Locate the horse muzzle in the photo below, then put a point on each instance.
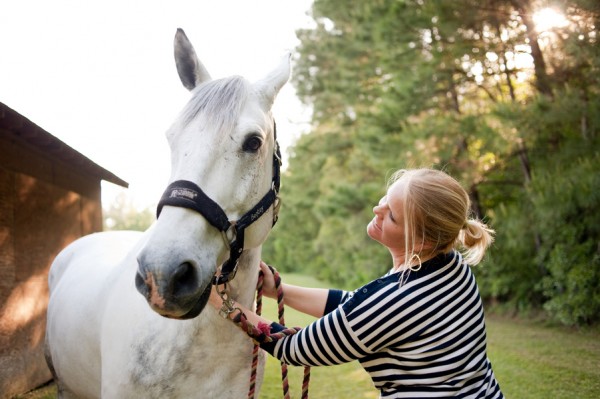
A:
(174, 291)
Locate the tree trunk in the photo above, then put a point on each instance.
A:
(525, 165)
(502, 60)
(475, 202)
(542, 81)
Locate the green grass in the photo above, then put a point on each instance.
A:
(531, 360)
(534, 360)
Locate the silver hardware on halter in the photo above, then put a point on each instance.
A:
(229, 235)
(228, 306)
(231, 231)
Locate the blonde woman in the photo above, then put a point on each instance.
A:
(419, 330)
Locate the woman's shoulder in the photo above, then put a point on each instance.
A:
(397, 283)
(373, 293)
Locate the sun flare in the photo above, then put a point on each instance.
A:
(549, 18)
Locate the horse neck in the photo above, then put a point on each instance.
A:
(243, 286)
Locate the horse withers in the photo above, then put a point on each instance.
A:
(127, 315)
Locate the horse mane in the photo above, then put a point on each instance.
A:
(220, 101)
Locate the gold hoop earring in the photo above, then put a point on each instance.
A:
(415, 268)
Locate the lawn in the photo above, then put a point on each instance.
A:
(532, 360)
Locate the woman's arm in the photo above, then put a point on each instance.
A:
(328, 340)
(310, 301)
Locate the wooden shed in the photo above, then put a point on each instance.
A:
(49, 196)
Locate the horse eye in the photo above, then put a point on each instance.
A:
(252, 144)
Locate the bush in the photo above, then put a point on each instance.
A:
(566, 202)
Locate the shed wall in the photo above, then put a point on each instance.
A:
(41, 212)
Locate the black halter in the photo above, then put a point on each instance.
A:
(185, 194)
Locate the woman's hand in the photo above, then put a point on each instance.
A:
(228, 307)
(269, 289)
(215, 299)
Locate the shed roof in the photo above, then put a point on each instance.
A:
(22, 129)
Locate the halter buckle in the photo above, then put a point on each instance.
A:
(231, 231)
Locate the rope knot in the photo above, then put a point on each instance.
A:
(264, 328)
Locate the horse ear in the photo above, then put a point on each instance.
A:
(269, 86)
(190, 69)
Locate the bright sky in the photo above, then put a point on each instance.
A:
(100, 75)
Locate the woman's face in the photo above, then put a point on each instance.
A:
(387, 227)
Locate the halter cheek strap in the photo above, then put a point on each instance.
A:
(186, 194)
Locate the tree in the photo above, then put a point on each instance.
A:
(123, 215)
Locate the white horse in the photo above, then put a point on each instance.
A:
(104, 339)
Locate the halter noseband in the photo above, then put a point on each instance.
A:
(186, 194)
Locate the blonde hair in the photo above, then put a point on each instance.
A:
(436, 213)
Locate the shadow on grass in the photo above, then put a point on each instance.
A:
(47, 391)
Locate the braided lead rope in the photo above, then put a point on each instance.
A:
(262, 334)
(281, 317)
(253, 371)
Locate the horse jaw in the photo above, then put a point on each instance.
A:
(191, 71)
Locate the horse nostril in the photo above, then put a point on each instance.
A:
(184, 280)
(140, 283)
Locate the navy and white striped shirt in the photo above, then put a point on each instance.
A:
(423, 338)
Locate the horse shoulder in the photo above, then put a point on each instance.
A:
(79, 280)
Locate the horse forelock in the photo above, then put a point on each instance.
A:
(219, 102)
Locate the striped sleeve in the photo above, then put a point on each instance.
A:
(332, 339)
(327, 341)
(335, 298)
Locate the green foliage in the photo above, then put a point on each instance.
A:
(567, 207)
(547, 250)
(122, 214)
(510, 274)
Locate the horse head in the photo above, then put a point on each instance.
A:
(222, 150)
